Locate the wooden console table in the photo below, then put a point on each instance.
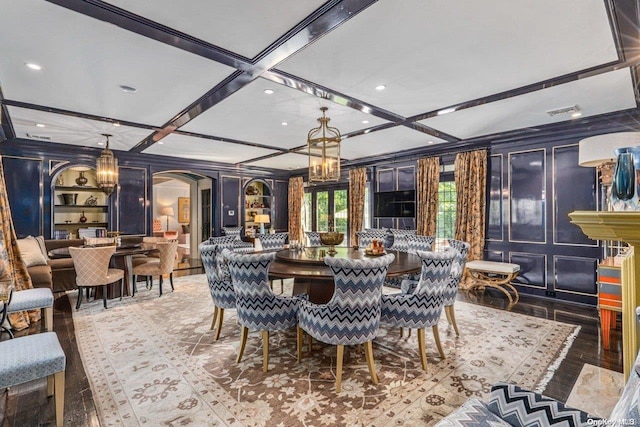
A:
(623, 226)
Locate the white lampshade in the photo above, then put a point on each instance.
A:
(167, 210)
(599, 149)
(262, 219)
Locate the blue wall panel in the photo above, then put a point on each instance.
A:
(533, 269)
(527, 196)
(231, 201)
(23, 180)
(569, 197)
(132, 212)
(494, 200)
(281, 201)
(575, 274)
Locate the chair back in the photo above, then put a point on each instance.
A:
(457, 269)
(435, 273)
(400, 242)
(92, 265)
(218, 278)
(272, 242)
(257, 306)
(233, 231)
(353, 313)
(314, 238)
(366, 237)
(167, 254)
(149, 242)
(224, 241)
(419, 243)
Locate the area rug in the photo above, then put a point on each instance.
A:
(153, 361)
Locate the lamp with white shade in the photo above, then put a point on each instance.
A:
(167, 211)
(262, 220)
(599, 152)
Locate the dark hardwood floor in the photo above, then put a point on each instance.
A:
(27, 405)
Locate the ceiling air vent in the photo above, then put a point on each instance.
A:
(564, 110)
(40, 137)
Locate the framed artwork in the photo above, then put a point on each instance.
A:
(184, 209)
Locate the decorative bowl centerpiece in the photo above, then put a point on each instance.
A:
(331, 238)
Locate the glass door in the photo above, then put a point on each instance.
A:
(325, 205)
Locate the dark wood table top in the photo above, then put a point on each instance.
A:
(124, 250)
(308, 263)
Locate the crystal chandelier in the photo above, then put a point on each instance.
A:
(107, 169)
(323, 144)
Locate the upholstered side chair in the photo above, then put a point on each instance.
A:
(92, 270)
(366, 237)
(224, 241)
(400, 241)
(274, 242)
(353, 313)
(457, 270)
(238, 244)
(220, 285)
(257, 306)
(313, 238)
(164, 265)
(415, 243)
(423, 307)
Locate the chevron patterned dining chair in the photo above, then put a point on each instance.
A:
(257, 306)
(366, 237)
(238, 244)
(220, 285)
(353, 313)
(423, 307)
(400, 239)
(92, 270)
(274, 242)
(457, 270)
(314, 238)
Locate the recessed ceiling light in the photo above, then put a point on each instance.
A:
(128, 89)
(381, 87)
(100, 143)
(446, 111)
(576, 114)
(284, 123)
(367, 130)
(572, 109)
(268, 91)
(430, 142)
(160, 142)
(365, 122)
(40, 125)
(33, 66)
(116, 124)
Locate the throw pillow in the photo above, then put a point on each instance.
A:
(31, 252)
(520, 408)
(43, 247)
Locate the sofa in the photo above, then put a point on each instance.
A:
(512, 406)
(59, 274)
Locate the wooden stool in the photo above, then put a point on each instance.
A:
(495, 275)
(32, 357)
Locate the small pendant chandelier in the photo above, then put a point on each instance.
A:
(323, 144)
(107, 169)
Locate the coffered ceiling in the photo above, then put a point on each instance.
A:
(242, 81)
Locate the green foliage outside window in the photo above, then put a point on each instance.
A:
(446, 222)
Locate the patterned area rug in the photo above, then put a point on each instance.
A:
(153, 361)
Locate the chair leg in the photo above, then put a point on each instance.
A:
(339, 367)
(299, 339)
(171, 281)
(421, 350)
(159, 284)
(219, 326)
(368, 351)
(59, 397)
(48, 318)
(146, 282)
(50, 385)
(401, 331)
(121, 288)
(243, 342)
(104, 295)
(265, 351)
(79, 298)
(134, 288)
(436, 337)
(282, 286)
(215, 315)
(451, 317)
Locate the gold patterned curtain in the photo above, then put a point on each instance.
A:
(471, 182)
(357, 185)
(296, 197)
(10, 256)
(427, 198)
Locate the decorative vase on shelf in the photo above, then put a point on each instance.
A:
(623, 186)
(83, 218)
(81, 180)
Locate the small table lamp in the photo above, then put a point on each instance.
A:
(167, 211)
(262, 220)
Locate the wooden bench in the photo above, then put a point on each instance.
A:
(32, 357)
(495, 275)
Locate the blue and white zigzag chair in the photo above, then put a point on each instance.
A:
(366, 237)
(238, 244)
(226, 242)
(257, 306)
(457, 269)
(219, 280)
(400, 240)
(353, 313)
(273, 242)
(415, 243)
(423, 307)
(314, 238)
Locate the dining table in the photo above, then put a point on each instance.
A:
(121, 258)
(313, 277)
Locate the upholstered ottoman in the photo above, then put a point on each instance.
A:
(33, 299)
(33, 357)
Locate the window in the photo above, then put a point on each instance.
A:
(446, 221)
